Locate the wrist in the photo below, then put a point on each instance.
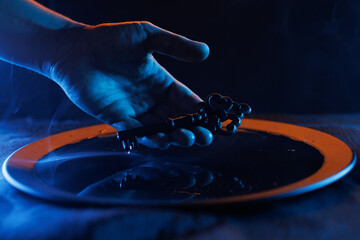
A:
(40, 49)
(30, 33)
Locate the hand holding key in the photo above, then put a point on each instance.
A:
(212, 113)
(107, 70)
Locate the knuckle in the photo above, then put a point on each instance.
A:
(146, 25)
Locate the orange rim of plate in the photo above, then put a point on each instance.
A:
(339, 159)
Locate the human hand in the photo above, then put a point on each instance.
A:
(109, 72)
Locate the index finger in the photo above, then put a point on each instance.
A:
(174, 45)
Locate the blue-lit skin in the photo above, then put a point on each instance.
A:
(107, 70)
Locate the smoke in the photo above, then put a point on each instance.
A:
(10, 100)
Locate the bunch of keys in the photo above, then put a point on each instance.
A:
(211, 114)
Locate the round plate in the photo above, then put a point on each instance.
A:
(272, 160)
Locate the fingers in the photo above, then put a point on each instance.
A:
(159, 140)
(174, 45)
(203, 136)
(126, 123)
(181, 96)
(186, 138)
(180, 137)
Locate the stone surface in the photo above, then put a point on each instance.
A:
(329, 213)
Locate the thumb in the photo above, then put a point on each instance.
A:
(174, 45)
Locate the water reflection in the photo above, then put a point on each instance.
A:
(245, 163)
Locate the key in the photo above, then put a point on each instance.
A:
(211, 114)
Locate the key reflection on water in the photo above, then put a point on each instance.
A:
(167, 178)
(245, 163)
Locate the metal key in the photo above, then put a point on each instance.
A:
(211, 114)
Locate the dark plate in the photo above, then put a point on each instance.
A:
(264, 160)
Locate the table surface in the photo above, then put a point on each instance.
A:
(329, 213)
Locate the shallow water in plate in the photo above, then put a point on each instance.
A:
(259, 160)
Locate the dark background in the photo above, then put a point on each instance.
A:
(278, 56)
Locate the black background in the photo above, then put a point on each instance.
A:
(278, 56)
